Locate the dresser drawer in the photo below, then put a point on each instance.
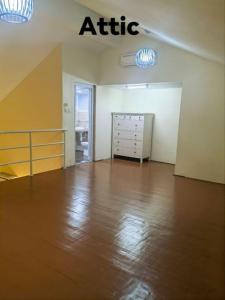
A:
(138, 118)
(122, 124)
(137, 125)
(129, 125)
(128, 135)
(130, 152)
(128, 143)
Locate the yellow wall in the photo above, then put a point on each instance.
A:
(34, 104)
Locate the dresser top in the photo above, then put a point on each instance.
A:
(132, 114)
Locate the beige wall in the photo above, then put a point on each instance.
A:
(165, 104)
(108, 100)
(201, 135)
(81, 63)
(34, 104)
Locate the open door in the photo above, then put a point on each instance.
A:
(83, 123)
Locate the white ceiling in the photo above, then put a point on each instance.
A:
(194, 25)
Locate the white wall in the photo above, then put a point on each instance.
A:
(79, 66)
(201, 148)
(165, 104)
(81, 63)
(108, 100)
(69, 117)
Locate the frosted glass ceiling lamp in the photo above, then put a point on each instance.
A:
(146, 58)
(16, 11)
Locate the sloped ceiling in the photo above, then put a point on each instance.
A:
(194, 25)
(23, 47)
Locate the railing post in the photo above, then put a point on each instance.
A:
(64, 149)
(31, 154)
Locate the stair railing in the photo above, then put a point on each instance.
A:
(31, 146)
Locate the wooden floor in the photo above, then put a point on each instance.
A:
(111, 231)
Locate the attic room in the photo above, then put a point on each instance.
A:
(112, 149)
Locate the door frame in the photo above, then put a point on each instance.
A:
(92, 115)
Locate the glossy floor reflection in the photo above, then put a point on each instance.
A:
(111, 230)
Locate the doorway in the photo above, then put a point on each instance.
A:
(83, 123)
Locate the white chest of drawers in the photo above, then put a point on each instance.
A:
(132, 135)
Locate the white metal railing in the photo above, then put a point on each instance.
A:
(30, 146)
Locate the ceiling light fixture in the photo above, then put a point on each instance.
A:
(137, 86)
(146, 58)
(16, 11)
